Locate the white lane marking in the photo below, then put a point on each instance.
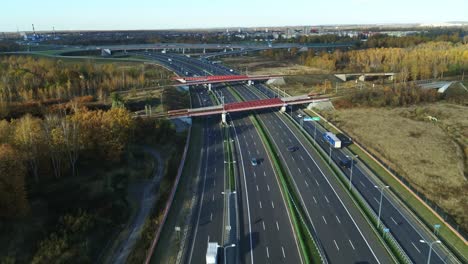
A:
(317, 182)
(258, 152)
(363, 185)
(263, 224)
(293, 158)
(264, 173)
(394, 220)
(268, 187)
(255, 174)
(268, 253)
(326, 198)
(260, 203)
(314, 199)
(215, 170)
(309, 169)
(208, 238)
(277, 226)
(290, 141)
(302, 158)
(351, 244)
(336, 245)
(306, 183)
(214, 182)
(299, 170)
(257, 188)
(337, 219)
(416, 247)
(324, 220)
(255, 143)
(376, 200)
(211, 217)
(243, 136)
(248, 152)
(272, 204)
(213, 197)
(282, 249)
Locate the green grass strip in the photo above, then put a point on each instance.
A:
(306, 242)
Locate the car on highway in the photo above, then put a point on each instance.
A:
(254, 162)
(292, 148)
(299, 116)
(345, 140)
(344, 162)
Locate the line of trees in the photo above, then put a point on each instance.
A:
(26, 79)
(424, 61)
(41, 149)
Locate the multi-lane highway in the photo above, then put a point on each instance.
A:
(343, 232)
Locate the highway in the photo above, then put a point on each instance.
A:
(339, 230)
(207, 221)
(340, 235)
(265, 228)
(405, 228)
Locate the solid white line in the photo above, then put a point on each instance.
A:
(416, 247)
(268, 253)
(324, 220)
(277, 226)
(326, 199)
(351, 244)
(282, 249)
(247, 197)
(336, 245)
(376, 200)
(338, 219)
(346, 209)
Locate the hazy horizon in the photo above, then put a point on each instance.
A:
(204, 14)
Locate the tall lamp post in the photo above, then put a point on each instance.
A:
(351, 174)
(380, 204)
(430, 248)
(226, 247)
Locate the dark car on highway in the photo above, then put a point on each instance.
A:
(292, 148)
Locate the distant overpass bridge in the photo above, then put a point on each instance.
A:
(364, 76)
(223, 79)
(245, 106)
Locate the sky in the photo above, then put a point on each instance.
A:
(181, 14)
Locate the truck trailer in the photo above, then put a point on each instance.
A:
(332, 139)
(212, 253)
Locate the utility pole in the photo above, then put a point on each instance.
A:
(380, 204)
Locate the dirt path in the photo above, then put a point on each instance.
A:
(147, 196)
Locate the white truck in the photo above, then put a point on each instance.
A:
(212, 253)
(332, 139)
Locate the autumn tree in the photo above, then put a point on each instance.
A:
(13, 200)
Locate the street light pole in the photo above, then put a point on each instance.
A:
(430, 248)
(329, 154)
(232, 245)
(351, 174)
(380, 204)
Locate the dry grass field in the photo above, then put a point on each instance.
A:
(431, 155)
(302, 79)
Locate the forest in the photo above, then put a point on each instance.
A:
(424, 61)
(26, 79)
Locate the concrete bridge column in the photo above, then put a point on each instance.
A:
(183, 50)
(249, 82)
(223, 118)
(204, 51)
(283, 109)
(209, 87)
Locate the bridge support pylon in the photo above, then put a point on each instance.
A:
(249, 82)
(283, 109)
(209, 87)
(223, 117)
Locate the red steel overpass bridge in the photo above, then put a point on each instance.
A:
(245, 106)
